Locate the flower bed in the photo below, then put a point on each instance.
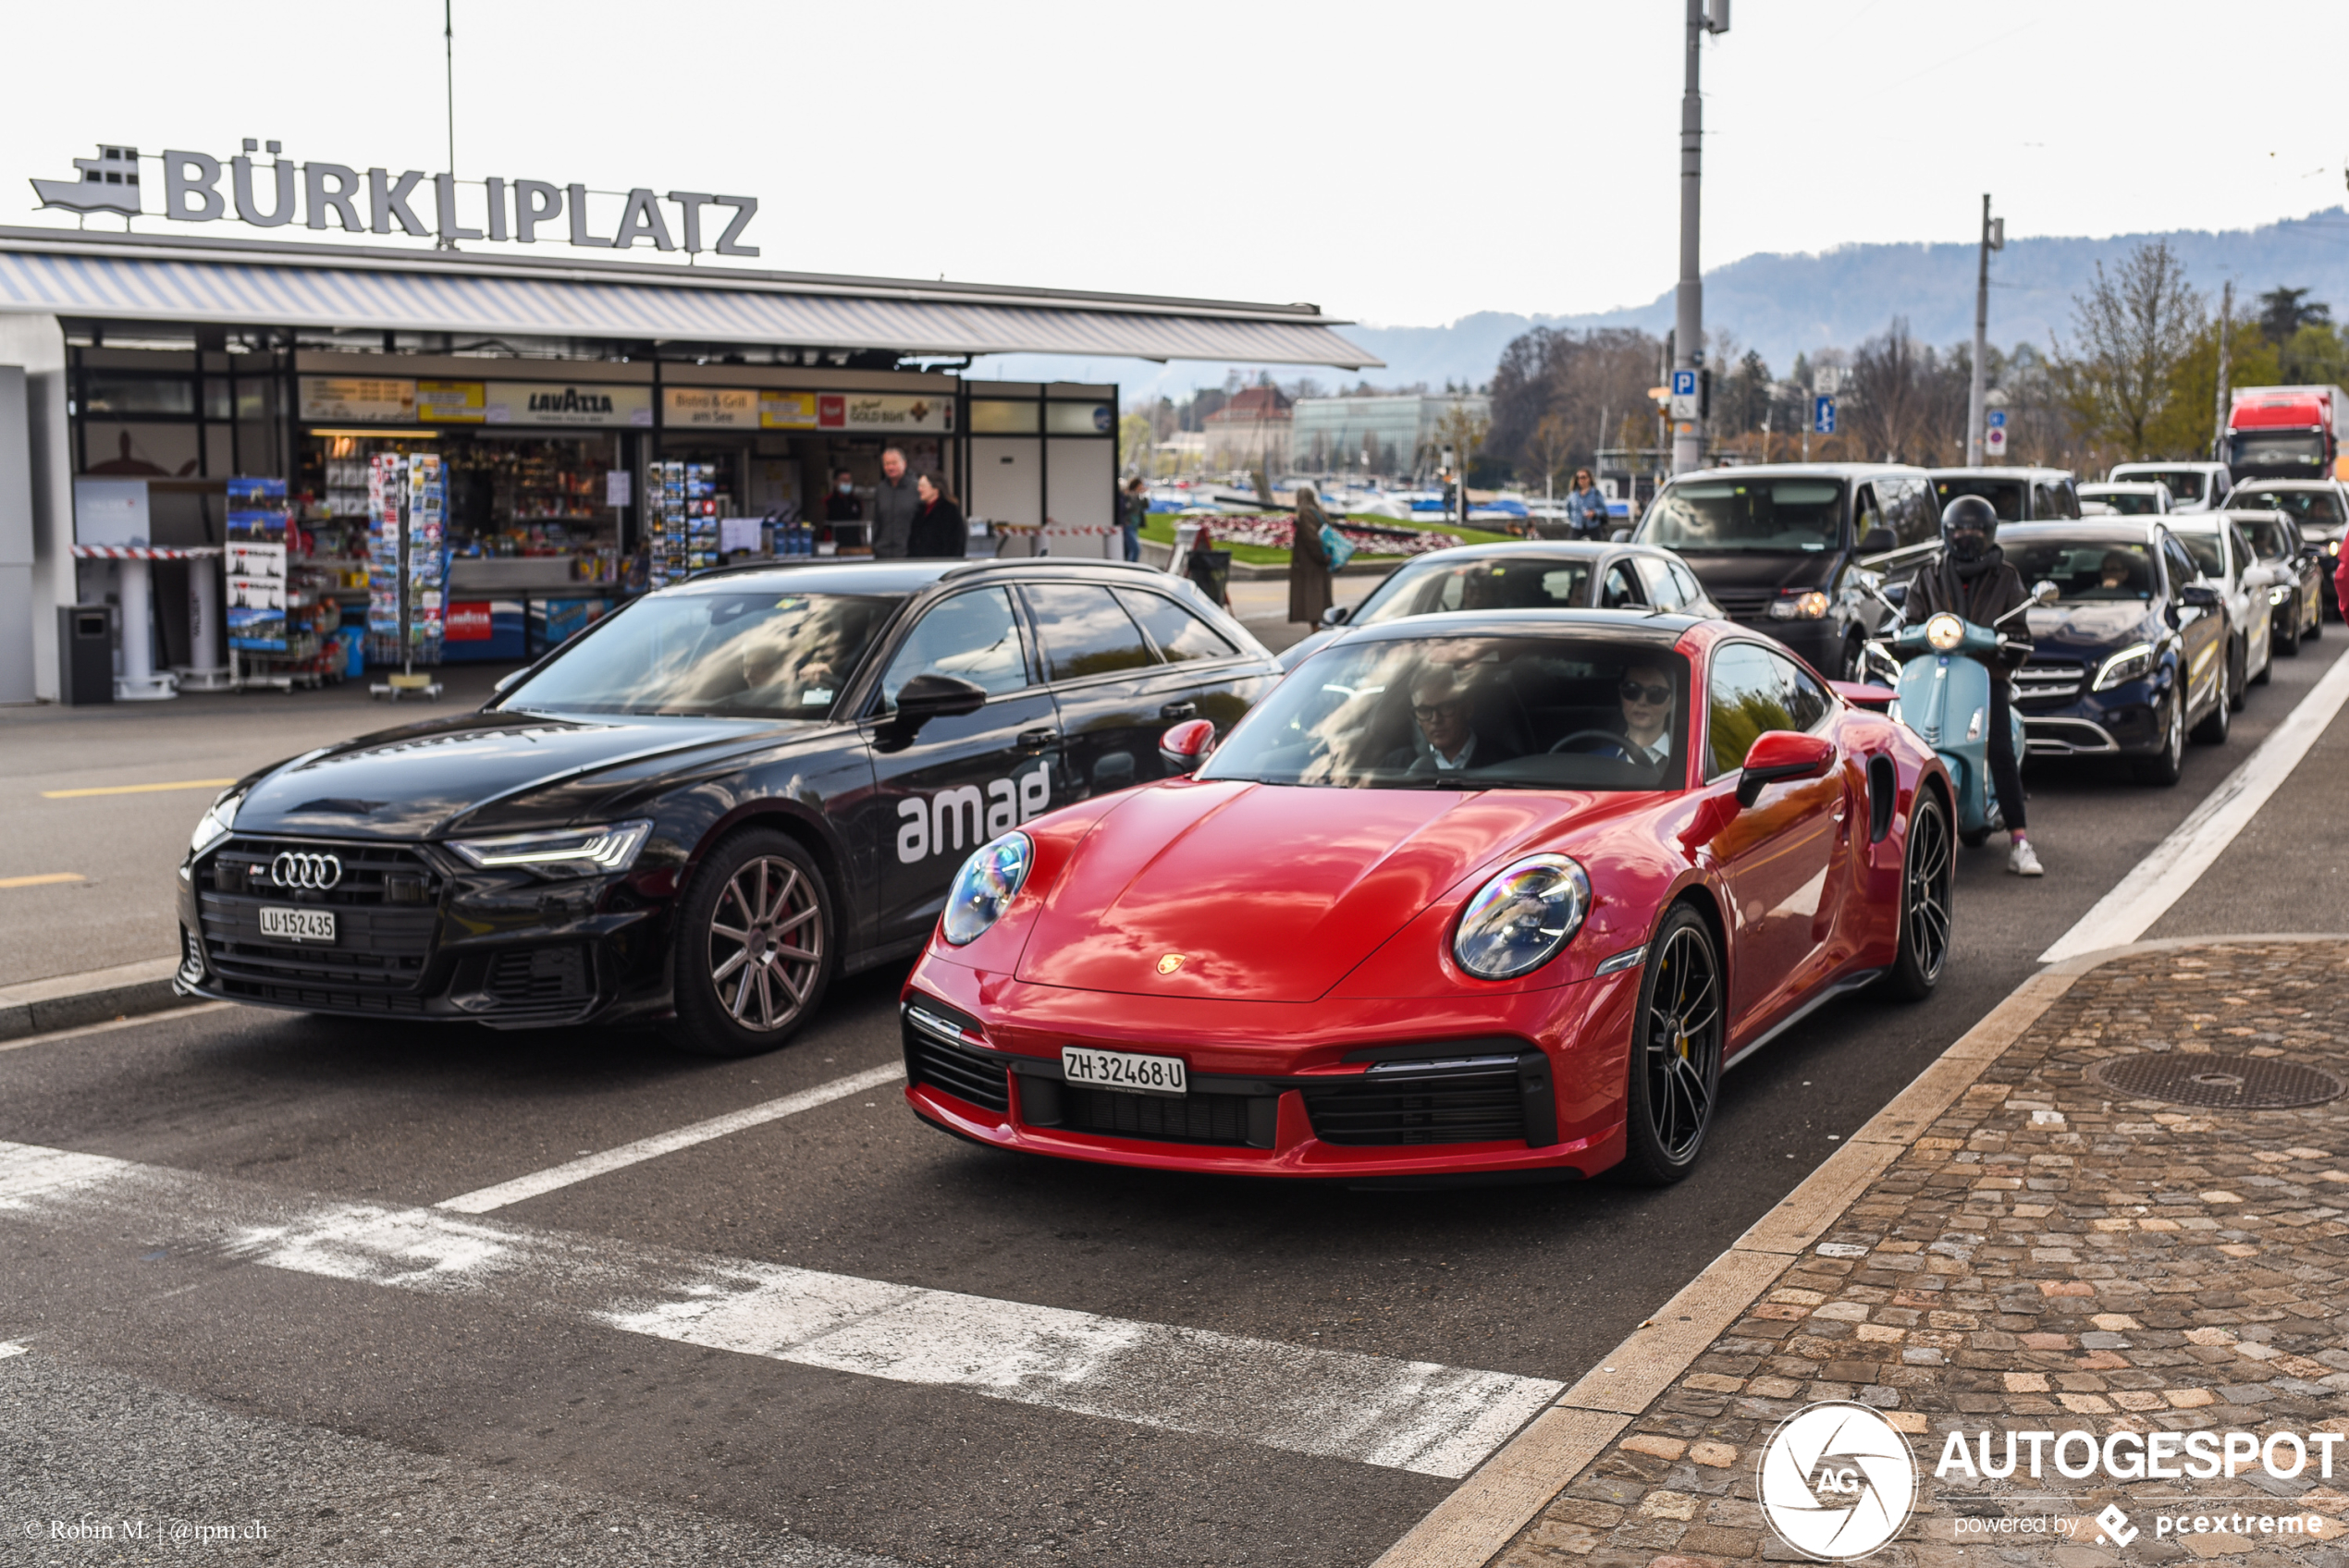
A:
(1278, 533)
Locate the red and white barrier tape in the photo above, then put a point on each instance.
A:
(143, 552)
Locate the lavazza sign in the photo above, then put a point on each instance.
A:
(198, 187)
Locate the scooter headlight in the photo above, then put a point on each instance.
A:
(1944, 631)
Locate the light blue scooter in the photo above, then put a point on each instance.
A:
(1941, 674)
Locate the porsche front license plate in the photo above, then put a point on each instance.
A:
(292, 925)
(1124, 1071)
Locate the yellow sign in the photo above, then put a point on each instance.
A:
(451, 402)
(710, 408)
(787, 411)
(357, 397)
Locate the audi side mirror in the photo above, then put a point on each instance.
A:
(1186, 745)
(925, 697)
(1879, 541)
(1780, 754)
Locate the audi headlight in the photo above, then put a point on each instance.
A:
(1812, 606)
(984, 888)
(1518, 920)
(1944, 631)
(2131, 663)
(216, 822)
(580, 851)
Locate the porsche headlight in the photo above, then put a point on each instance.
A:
(1518, 920)
(1811, 605)
(1944, 631)
(2131, 663)
(583, 852)
(215, 826)
(984, 888)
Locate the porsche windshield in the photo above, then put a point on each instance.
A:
(1470, 713)
(1735, 514)
(2084, 570)
(736, 656)
(1509, 583)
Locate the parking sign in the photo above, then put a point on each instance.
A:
(1822, 415)
(1683, 393)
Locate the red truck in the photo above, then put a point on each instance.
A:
(2288, 433)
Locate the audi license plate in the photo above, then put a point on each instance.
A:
(297, 925)
(1124, 1071)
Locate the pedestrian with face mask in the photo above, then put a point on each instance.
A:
(843, 513)
(1973, 580)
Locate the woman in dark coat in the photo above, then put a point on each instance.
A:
(938, 530)
(1308, 563)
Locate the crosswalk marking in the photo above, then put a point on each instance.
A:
(1411, 1415)
(484, 1199)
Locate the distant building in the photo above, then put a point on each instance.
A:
(1386, 434)
(1185, 451)
(1249, 432)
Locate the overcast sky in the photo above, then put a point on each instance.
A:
(1396, 164)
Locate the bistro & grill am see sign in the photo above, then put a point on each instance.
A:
(198, 187)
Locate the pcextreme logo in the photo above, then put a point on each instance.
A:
(1837, 1482)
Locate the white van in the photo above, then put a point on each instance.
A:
(2194, 487)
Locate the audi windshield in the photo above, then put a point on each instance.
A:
(1758, 515)
(721, 655)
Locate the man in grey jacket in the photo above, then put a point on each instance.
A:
(894, 504)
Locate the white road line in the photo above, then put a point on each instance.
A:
(2160, 879)
(1411, 1415)
(132, 1022)
(484, 1199)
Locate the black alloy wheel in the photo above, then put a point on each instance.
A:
(753, 954)
(2212, 731)
(1675, 1052)
(1852, 662)
(1927, 884)
(2163, 768)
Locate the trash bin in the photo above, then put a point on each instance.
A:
(1211, 569)
(85, 653)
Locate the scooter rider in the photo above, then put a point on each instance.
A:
(1971, 580)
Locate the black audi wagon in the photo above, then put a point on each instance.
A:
(706, 807)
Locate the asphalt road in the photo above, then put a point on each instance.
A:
(246, 1326)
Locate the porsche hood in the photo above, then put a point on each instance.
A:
(1254, 892)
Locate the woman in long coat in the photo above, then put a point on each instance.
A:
(1308, 563)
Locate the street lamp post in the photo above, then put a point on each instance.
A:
(1994, 237)
(1688, 332)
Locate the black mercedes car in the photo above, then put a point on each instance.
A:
(703, 808)
(2133, 653)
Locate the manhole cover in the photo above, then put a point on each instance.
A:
(2217, 1083)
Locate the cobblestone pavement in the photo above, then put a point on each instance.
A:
(2048, 1256)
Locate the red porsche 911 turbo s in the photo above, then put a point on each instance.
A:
(1495, 894)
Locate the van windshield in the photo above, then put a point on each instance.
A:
(2005, 495)
(1757, 515)
(2185, 484)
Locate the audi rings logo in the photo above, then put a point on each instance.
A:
(1837, 1481)
(302, 868)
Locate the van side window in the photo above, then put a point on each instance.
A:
(1866, 512)
(1917, 523)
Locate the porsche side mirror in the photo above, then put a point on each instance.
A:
(925, 697)
(1338, 615)
(2044, 593)
(1879, 541)
(1780, 754)
(2200, 596)
(1185, 746)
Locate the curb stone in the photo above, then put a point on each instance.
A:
(68, 1001)
(1494, 1506)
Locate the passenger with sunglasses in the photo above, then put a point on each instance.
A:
(1646, 696)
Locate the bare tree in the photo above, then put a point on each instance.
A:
(1890, 393)
(2130, 331)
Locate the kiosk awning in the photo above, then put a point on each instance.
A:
(136, 277)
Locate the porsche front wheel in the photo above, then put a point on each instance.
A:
(754, 949)
(1927, 880)
(1676, 1053)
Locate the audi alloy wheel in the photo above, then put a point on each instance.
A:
(754, 952)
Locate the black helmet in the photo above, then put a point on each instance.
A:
(1968, 525)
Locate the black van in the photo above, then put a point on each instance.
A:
(1791, 550)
